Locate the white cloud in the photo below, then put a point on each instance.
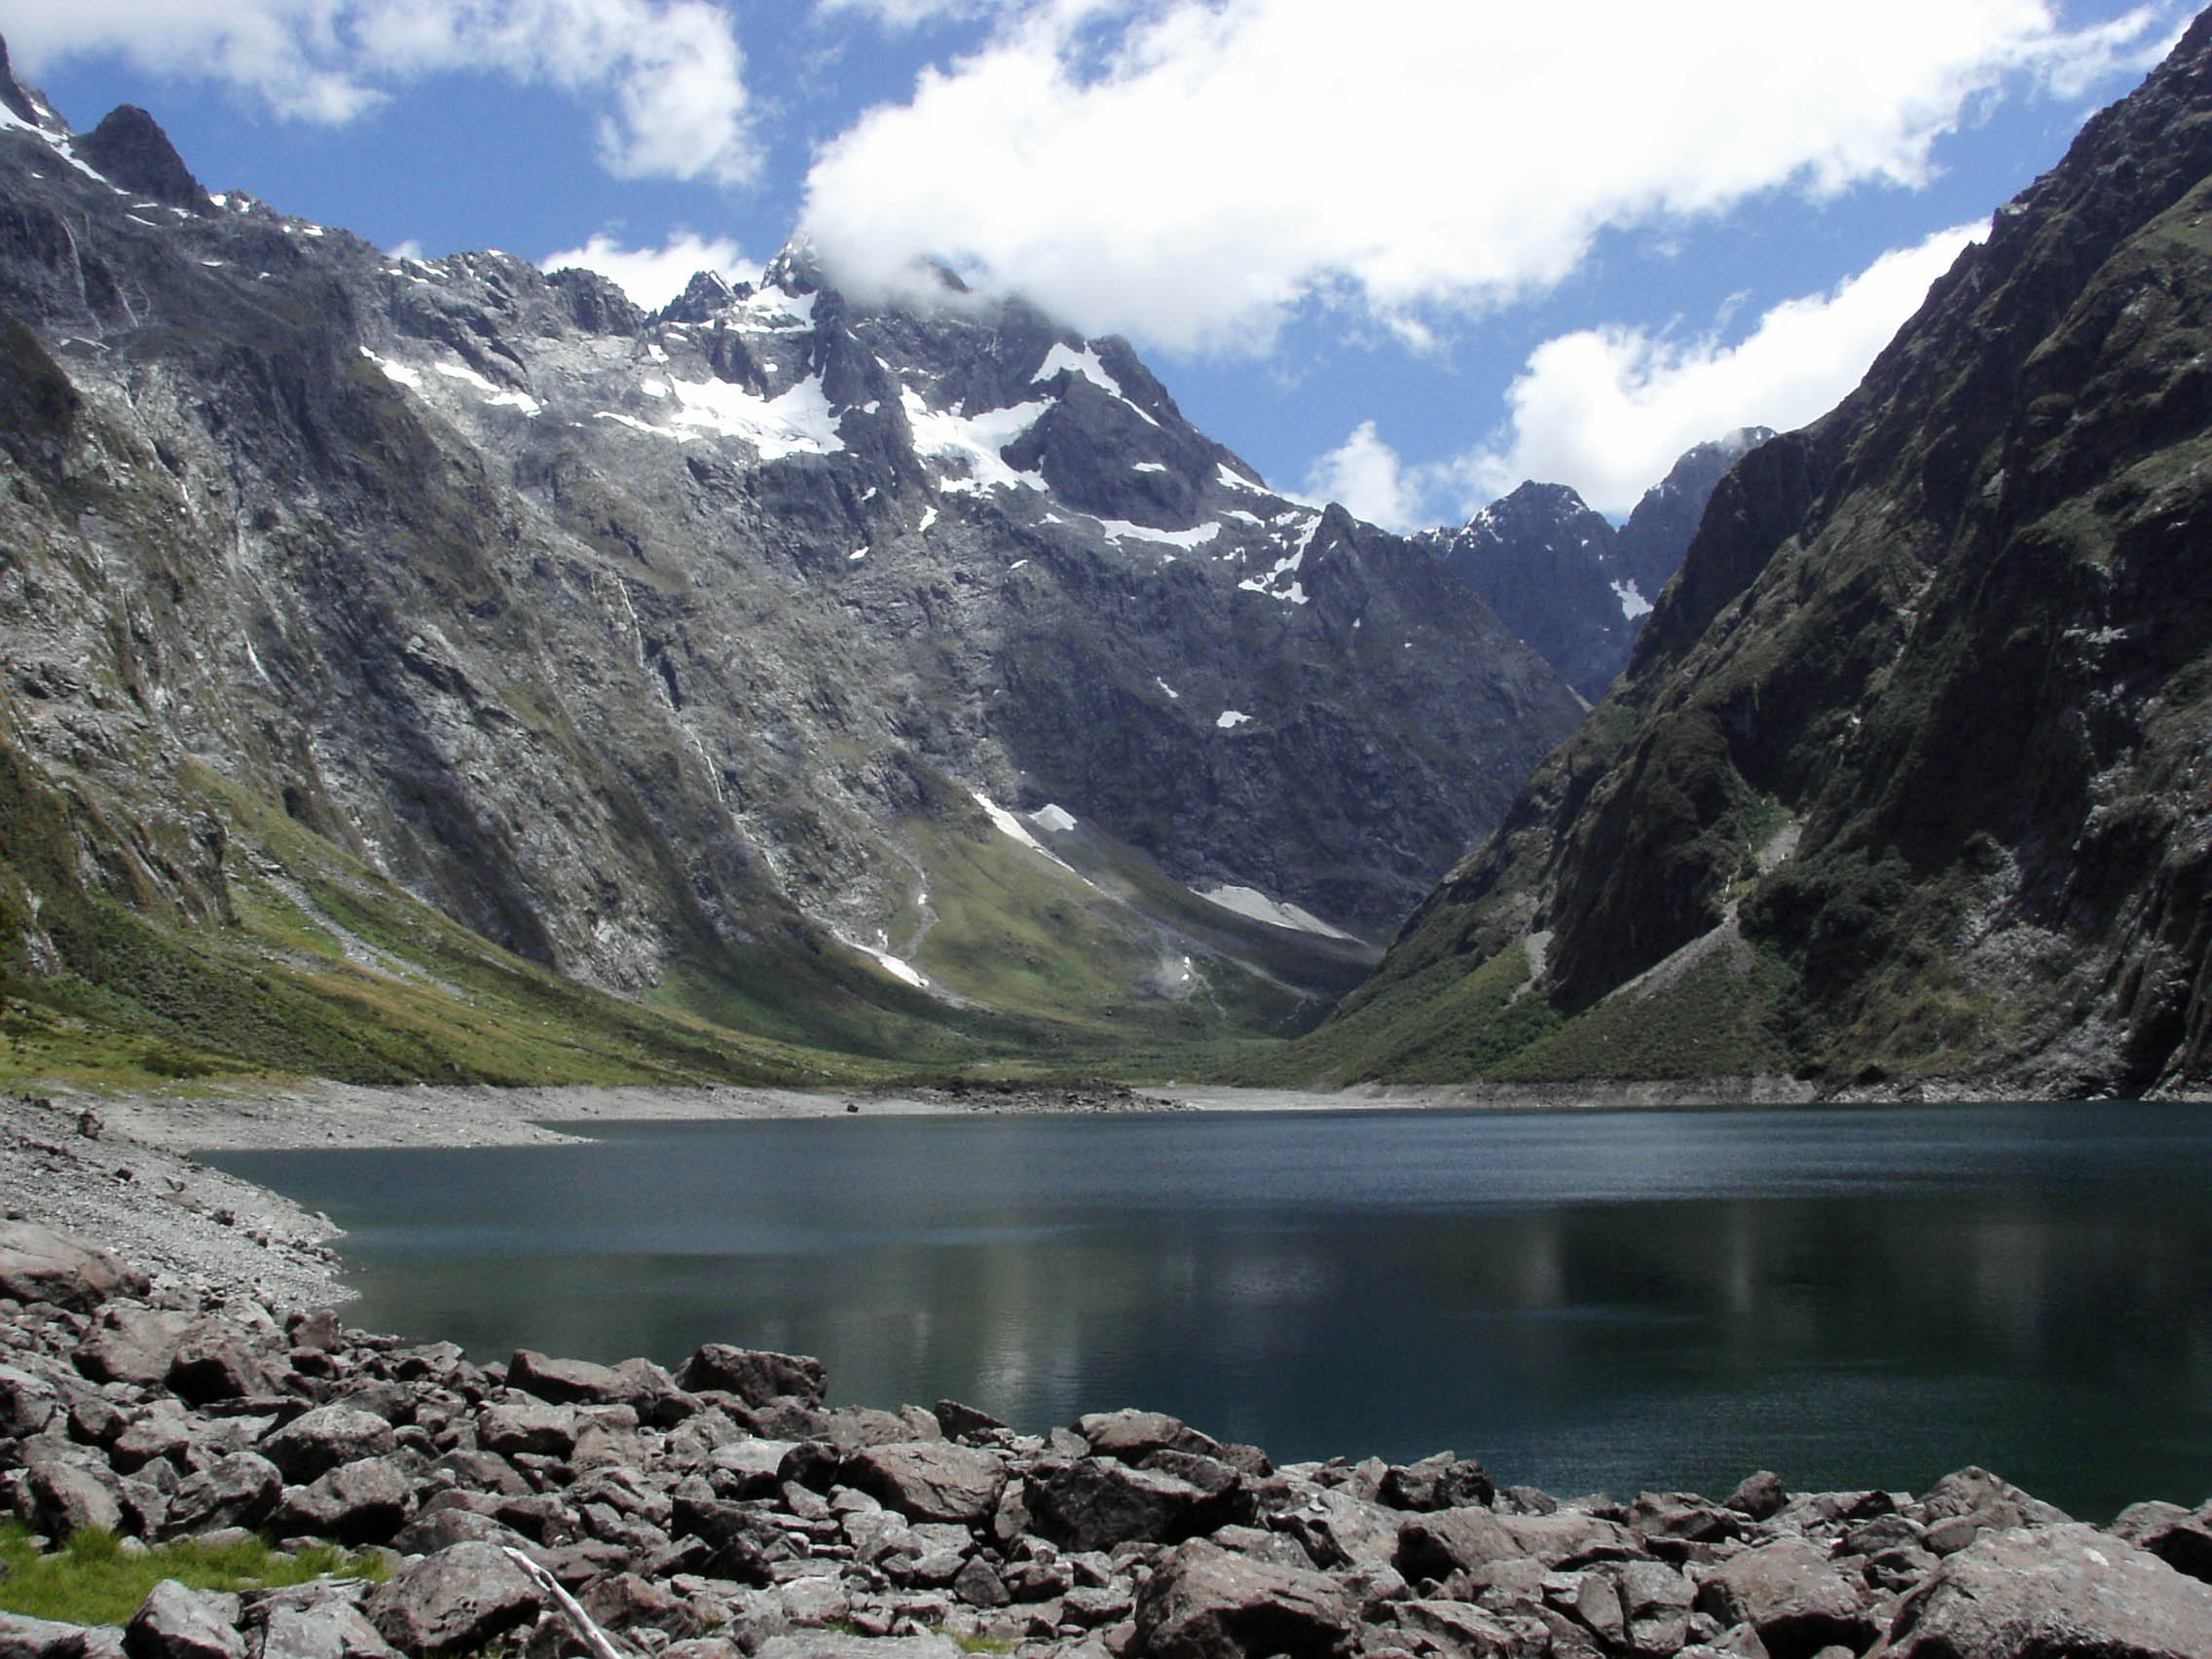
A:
(670, 70)
(910, 13)
(1365, 474)
(654, 276)
(1189, 169)
(1608, 410)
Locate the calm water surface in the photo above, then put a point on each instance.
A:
(1590, 1300)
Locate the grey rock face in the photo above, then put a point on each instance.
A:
(629, 641)
(453, 1601)
(1204, 1602)
(931, 1480)
(320, 1440)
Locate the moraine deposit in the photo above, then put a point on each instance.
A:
(555, 1508)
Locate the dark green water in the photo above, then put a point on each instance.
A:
(1585, 1301)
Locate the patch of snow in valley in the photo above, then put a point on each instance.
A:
(1006, 823)
(1252, 902)
(1148, 467)
(497, 395)
(1633, 603)
(893, 966)
(1173, 695)
(975, 440)
(1057, 819)
(1117, 529)
(928, 517)
(1230, 718)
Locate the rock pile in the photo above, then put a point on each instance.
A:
(552, 1505)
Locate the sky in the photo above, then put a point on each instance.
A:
(1399, 253)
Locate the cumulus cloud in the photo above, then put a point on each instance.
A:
(1365, 475)
(1608, 410)
(654, 276)
(668, 73)
(908, 13)
(1188, 170)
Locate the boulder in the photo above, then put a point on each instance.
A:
(362, 1502)
(1204, 1602)
(1338, 1530)
(24, 1637)
(622, 1601)
(40, 1264)
(1095, 1504)
(1989, 1499)
(177, 1623)
(1655, 1605)
(1132, 1435)
(1760, 1496)
(236, 1490)
(959, 1421)
(217, 1360)
(1443, 1481)
(2179, 1537)
(527, 1427)
(834, 1645)
(564, 1382)
(453, 1601)
(328, 1629)
(2066, 1589)
(930, 1480)
(315, 1442)
(66, 1496)
(755, 1376)
(441, 1529)
(131, 1344)
(28, 1403)
(1789, 1594)
(1448, 1540)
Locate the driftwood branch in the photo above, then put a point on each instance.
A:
(598, 1641)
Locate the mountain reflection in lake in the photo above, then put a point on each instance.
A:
(1583, 1300)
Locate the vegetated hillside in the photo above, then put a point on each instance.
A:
(892, 681)
(1909, 773)
(1565, 581)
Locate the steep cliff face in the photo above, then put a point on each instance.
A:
(1569, 583)
(1909, 773)
(775, 655)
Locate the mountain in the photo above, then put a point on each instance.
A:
(900, 679)
(1565, 581)
(1909, 777)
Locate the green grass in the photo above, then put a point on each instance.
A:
(92, 1580)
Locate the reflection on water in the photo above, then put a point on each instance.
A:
(1616, 1300)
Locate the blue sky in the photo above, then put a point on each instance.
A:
(1401, 254)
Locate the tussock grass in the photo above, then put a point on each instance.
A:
(92, 1579)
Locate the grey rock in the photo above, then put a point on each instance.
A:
(830, 1645)
(564, 1382)
(437, 1529)
(1095, 1504)
(1443, 1481)
(1760, 1495)
(527, 1427)
(1790, 1595)
(979, 1584)
(362, 1502)
(2180, 1537)
(37, 1264)
(2060, 1590)
(131, 1344)
(217, 1360)
(1339, 1531)
(625, 1602)
(23, 1637)
(236, 1490)
(68, 1498)
(1448, 1540)
(1204, 1602)
(318, 1441)
(330, 1629)
(453, 1601)
(758, 1376)
(1132, 1435)
(177, 1623)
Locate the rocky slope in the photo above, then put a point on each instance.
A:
(1909, 773)
(1567, 581)
(727, 1509)
(839, 674)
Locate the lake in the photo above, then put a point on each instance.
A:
(1584, 1300)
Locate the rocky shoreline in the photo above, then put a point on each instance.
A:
(725, 1511)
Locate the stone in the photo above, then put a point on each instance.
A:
(527, 1427)
(929, 1480)
(1656, 1601)
(177, 1623)
(24, 1637)
(479, 1471)
(1339, 1531)
(329, 1629)
(1131, 1435)
(2060, 1590)
(1996, 1502)
(564, 1382)
(66, 1497)
(1790, 1595)
(131, 1344)
(2182, 1539)
(216, 1360)
(815, 1600)
(755, 1376)
(1096, 1502)
(362, 1502)
(622, 1601)
(159, 1431)
(745, 1544)
(37, 1264)
(979, 1584)
(236, 1490)
(1759, 1497)
(961, 1423)
(441, 1529)
(1435, 1545)
(1202, 1602)
(453, 1601)
(317, 1440)
(834, 1645)
(1442, 1481)
(1455, 1626)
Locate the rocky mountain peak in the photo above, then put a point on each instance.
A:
(130, 148)
(25, 103)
